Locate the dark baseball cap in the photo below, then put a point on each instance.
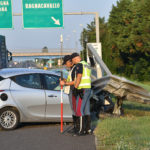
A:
(73, 55)
(66, 58)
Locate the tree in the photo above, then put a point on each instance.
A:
(88, 34)
(125, 39)
(119, 31)
(129, 29)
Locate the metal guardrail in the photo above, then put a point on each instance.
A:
(122, 88)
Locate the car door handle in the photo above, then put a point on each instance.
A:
(52, 96)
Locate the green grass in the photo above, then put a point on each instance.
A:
(130, 132)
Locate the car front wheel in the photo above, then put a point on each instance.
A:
(9, 119)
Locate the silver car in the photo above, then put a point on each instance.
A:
(30, 95)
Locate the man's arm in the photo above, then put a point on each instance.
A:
(78, 80)
(79, 72)
(70, 83)
(66, 83)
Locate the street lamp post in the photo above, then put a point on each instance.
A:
(67, 45)
(81, 25)
(82, 41)
(61, 45)
(76, 44)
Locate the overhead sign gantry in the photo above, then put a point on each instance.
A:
(42, 13)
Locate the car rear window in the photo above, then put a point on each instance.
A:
(1, 78)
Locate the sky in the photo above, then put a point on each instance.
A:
(19, 39)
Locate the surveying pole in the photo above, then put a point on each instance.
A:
(61, 50)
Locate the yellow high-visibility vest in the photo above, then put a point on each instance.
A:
(69, 79)
(86, 76)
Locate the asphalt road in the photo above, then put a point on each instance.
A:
(44, 137)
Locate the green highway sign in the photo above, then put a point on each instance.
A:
(50, 61)
(42, 13)
(6, 14)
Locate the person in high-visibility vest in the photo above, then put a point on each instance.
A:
(68, 83)
(82, 92)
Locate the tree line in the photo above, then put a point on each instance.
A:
(125, 39)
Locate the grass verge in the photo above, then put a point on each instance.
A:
(130, 132)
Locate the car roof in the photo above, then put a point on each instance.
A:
(10, 72)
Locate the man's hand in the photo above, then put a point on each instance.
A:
(81, 93)
(75, 92)
(62, 82)
(78, 80)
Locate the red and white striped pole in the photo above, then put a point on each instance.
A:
(61, 129)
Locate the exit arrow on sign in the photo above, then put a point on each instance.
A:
(56, 21)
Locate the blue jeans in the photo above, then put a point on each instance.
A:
(84, 104)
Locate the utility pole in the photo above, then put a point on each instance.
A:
(82, 36)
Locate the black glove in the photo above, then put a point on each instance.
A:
(75, 92)
(81, 93)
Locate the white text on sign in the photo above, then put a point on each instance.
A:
(43, 5)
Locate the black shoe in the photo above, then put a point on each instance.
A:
(79, 134)
(73, 130)
(82, 133)
(76, 126)
(88, 124)
(89, 132)
(81, 126)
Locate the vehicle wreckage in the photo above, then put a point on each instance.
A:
(108, 83)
